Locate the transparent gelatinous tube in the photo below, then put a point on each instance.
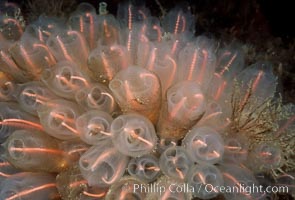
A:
(69, 45)
(72, 186)
(44, 27)
(241, 177)
(11, 28)
(133, 134)
(58, 118)
(179, 20)
(129, 14)
(102, 165)
(265, 156)
(84, 20)
(261, 80)
(6, 169)
(29, 185)
(94, 127)
(8, 65)
(32, 56)
(169, 189)
(134, 17)
(105, 61)
(127, 188)
(197, 62)
(204, 145)
(235, 149)
(31, 95)
(207, 177)
(146, 168)
(97, 96)
(182, 108)
(230, 61)
(212, 116)
(165, 68)
(29, 150)
(73, 149)
(175, 162)
(64, 79)
(12, 118)
(137, 90)
(109, 27)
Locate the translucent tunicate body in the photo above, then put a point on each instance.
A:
(94, 127)
(102, 165)
(44, 27)
(29, 150)
(6, 169)
(197, 62)
(265, 156)
(105, 61)
(207, 177)
(145, 168)
(58, 118)
(84, 20)
(109, 27)
(32, 56)
(179, 20)
(175, 162)
(213, 115)
(127, 188)
(73, 149)
(72, 186)
(8, 65)
(64, 79)
(204, 145)
(69, 45)
(130, 14)
(12, 118)
(161, 62)
(235, 149)
(182, 108)
(133, 134)
(230, 61)
(97, 96)
(11, 28)
(261, 80)
(29, 185)
(137, 90)
(239, 178)
(31, 95)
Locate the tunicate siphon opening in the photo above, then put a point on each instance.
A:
(29, 99)
(108, 171)
(56, 119)
(14, 148)
(96, 96)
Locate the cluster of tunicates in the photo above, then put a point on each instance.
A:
(130, 107)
